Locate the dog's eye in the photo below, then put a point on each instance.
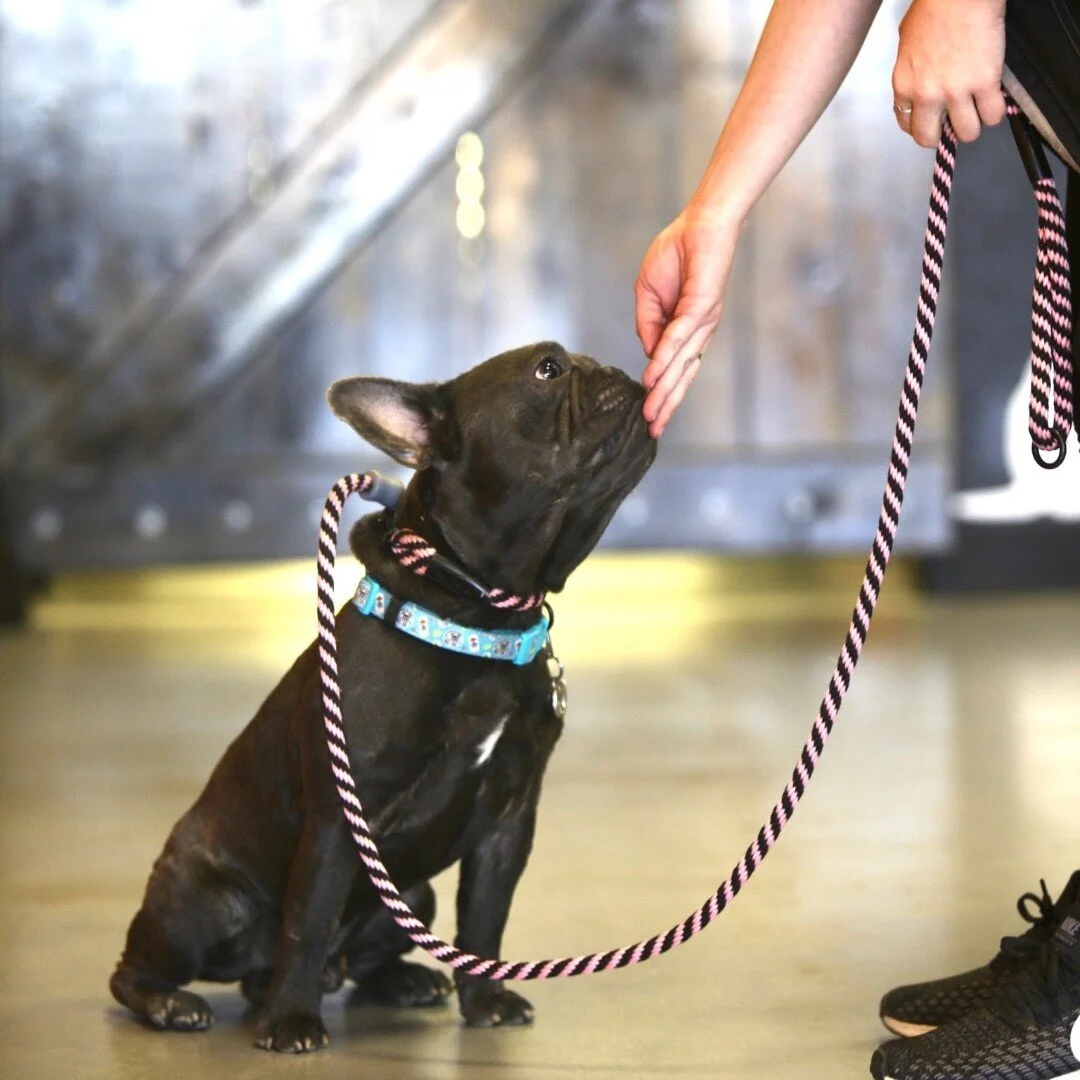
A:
(548, 368)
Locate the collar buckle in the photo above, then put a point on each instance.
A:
(533, 641)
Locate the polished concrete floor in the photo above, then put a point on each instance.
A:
(949, 788)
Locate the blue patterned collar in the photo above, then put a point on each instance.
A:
(518, 646)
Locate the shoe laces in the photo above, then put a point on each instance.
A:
(1043, 922)
(1047, 987)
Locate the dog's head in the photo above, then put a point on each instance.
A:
(520, 462)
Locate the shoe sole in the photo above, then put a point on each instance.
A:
(905, 1028)
(1061, 1076)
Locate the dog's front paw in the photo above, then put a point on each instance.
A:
(178, 1010)
(403, 985)
(294, 1033)
(487, 1004)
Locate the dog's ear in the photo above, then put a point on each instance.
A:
(405, 420)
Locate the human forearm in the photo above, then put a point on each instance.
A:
(806, 49)
(949, 60)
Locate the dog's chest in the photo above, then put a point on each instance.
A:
(487, 744)
(442, 745)
(442, 737)
(477, 721)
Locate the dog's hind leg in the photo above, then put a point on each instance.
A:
(373, 958)
(161, 955)
(158, 999)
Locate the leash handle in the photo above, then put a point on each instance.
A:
(877, 562)
(1051, 305)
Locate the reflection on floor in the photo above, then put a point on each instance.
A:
(949, 788)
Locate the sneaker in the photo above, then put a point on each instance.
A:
(921, 1007)
(1030, 1031)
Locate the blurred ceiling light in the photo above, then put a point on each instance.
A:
(469, 185)
(470, 220)
(469, 152)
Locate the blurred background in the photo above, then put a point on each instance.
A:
(209, 211)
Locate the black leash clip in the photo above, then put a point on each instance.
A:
(1030, 146)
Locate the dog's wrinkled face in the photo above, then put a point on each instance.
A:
(521, 462)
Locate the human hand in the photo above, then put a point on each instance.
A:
(679, 297)
(949, 60)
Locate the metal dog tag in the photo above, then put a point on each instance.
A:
(558, 685)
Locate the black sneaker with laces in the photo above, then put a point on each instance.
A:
(1030, 1031)
(921, 1007)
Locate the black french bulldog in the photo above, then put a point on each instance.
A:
(520, 464)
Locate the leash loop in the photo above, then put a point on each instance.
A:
(877, 562)
(1057, 445)
(1051, 305)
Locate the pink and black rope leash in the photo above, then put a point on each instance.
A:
(1050, 363)
(1051, 308)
